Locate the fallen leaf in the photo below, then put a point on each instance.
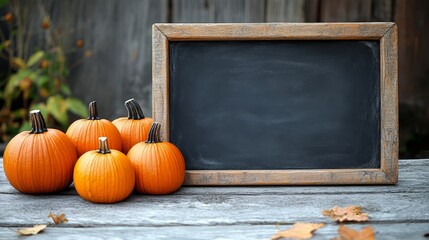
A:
(299, 231)
(32, 231)
(58, 218)
(346, 233)
(347, 214)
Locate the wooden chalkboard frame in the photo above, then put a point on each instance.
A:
(386, 33)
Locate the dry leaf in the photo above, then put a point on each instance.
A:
(347, 214)
(58, 218)
(346, 233)
(298, 231)
(32, 231)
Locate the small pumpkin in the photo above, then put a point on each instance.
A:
(104, 175)
(159, 166)
(85, 132)
(41, 160)
(135, 127)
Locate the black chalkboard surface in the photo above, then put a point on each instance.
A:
(292, 104)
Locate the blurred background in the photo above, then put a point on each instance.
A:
(60, 55)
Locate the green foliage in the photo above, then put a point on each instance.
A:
(3, 3)
(36, 80)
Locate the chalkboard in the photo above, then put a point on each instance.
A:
(251, 104)
(276, 104)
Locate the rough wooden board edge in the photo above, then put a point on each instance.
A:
(273, 31)
(389, 104)
(286, 177)
(160, 78)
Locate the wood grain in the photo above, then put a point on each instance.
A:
(210, 11)
(389, 103)
(396, 212)
(160, 81)
(385, 32)
(413, 177)
(264, 231)
(210, 210)
(119, 39)
(274, 31)
(286, 10)
(345, 10)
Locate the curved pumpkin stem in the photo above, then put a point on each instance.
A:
(93, 113)
(134, 110)
(103, 147)
(38, 124)
(154, 133)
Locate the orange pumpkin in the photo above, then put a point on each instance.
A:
(135, 127)
(41, 160)
(104, 175)
(85, 132)
(159, 166)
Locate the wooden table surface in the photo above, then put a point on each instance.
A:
(396, 212)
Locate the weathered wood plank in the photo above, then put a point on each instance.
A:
(312, 13)
(345, 11)
(383, 231)
(160, 81)
(119, 37)
(274, 31)
(413, 178)
(412, 18)
(382, 10)
(389, 125)
(286, 11)
(134, 50)
(208, 209)
(210, 11)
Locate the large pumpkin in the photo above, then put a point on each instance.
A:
(85, 132)
(135, 127)
(104, 175)
(159, 166)
(41, 160)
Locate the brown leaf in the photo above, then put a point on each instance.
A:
(346, 233)
(347, 214)
(80, 43)
(298, 231)
(32, 231)
(58, 218)
(8, 17)
(46, 23)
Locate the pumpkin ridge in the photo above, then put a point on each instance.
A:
(166, 164)
(115, 176)
(48, 153)
(113, 179)
(68, 149)
(32, 167)
(56, 154)
(175, 161)
(15, 163)
(74, 134)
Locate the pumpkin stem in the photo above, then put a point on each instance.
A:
(38, 124)
(134, 110)
(154, 133)
(93, 113)
(103, 147)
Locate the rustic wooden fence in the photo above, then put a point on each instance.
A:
(118, 34)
